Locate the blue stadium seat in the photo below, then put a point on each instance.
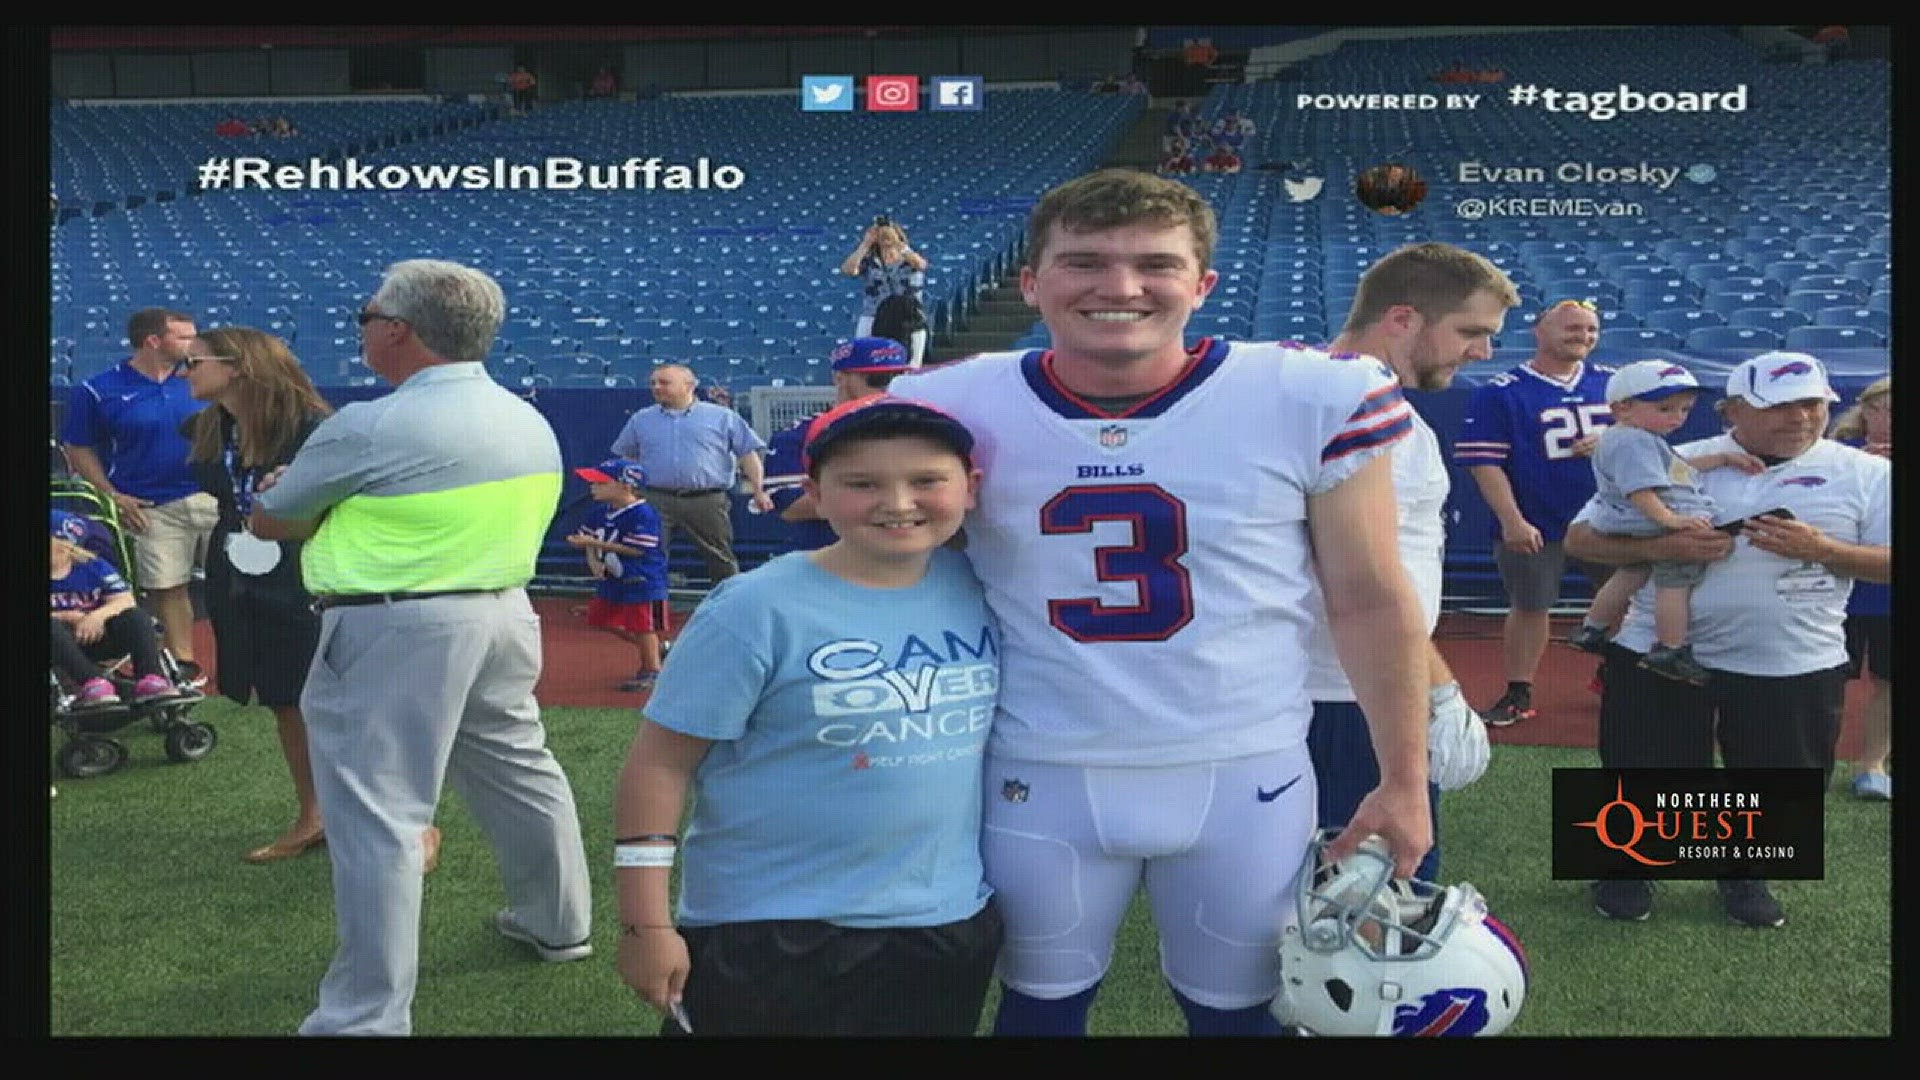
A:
(1682, 320)
(1811, 338)
(1704, 274)
(1647, 337)
(1731, 337)
(1829, 283)
(1729, 302)
(1871, 318)
(1810, 303)
(1779, 320)
(1645, 302)
(1788, 271)
(1866, 269)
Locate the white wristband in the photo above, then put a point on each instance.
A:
(625, 855)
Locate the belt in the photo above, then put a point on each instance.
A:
(688, 493)
(322, 603)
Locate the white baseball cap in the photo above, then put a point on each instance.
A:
(1777, 378)
(1650, 380)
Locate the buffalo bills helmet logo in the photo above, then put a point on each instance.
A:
(1672, 371)
(1794, 367)
(1453, 1011)
(1805, 481)
(841, 351)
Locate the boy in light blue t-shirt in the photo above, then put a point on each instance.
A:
(829, 712)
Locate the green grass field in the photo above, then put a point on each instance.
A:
(158, 928)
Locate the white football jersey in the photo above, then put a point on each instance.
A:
(1420, 486)
(1151, 570)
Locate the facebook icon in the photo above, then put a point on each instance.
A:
(958, 93)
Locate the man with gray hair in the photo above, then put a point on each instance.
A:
(423, 512)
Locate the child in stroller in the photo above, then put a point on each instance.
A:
(94, 625)
(94, 618)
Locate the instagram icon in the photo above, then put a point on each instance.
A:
(893, 93)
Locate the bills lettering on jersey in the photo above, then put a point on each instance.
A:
(1097, 472)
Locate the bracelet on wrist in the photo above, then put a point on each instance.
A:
(665, 838)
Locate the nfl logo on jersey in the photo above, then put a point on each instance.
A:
(1113, 435)
(1013, 791)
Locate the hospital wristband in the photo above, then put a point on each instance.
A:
(627, 855)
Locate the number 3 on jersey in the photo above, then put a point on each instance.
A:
(1151, 562)
(1565, 426)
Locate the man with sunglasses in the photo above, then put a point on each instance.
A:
(426, 509)
(132, 412)
(1526, 441)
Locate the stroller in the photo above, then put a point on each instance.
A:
(88, 750)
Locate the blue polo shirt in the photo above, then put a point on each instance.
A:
(133, 423)
(689, 449)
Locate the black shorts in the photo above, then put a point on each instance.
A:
(1870, 646)
(794, 977)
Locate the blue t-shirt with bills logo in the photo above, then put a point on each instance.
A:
(631, 579)
(87, 586)
(1526, 423)
(849, 726)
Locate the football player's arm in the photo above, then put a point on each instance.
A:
(648, 801)
(1379, 634)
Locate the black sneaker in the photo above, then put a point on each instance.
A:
(1589, 639)
(1677, 664)
(1750, 903)
(1509, 710)
(1628, 901)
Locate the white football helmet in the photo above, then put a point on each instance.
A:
(1374, 956)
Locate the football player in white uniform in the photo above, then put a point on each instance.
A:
(1427, 310)
(1149, 534)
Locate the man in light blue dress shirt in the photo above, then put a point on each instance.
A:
(690, 449)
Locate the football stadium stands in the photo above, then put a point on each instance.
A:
(1702, 236)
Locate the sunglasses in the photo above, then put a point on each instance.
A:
(366, 317)
(192, 362)
(1588, 304)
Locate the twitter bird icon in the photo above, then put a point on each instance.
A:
(826, 93)
(1305, 189)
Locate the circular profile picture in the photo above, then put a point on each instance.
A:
(1392, 188)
